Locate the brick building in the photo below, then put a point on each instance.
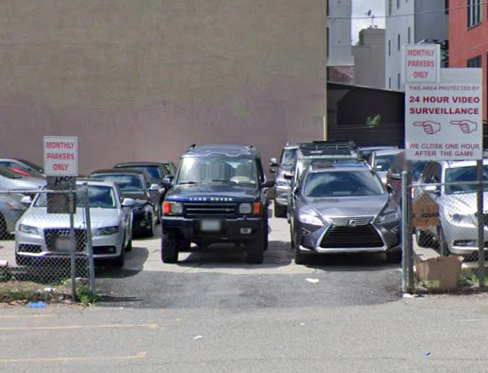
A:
(468, 38)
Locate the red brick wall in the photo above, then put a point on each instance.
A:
(467, 43)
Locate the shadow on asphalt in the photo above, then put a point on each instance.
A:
(134, 264)
(231, 256)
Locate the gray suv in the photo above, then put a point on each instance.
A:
(283, 167)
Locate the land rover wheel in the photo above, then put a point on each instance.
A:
(169, 248)
(255, 251)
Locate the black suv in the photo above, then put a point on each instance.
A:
(219, 195)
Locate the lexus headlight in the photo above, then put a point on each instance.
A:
(310, 219)
(107, 231)
(28, 229)
(245, 208)
(389, 215)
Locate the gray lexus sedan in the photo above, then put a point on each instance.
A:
(343, 208)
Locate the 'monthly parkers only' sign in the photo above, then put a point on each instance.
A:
(61, 155)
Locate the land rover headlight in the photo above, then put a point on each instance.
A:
(245, 208)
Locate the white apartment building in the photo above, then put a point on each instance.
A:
(340, 61)
(410, 22)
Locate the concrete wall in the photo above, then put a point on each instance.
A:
(430, 23)
(141, 80)
(339, 25)
(369, 57)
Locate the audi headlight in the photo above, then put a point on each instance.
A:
(389, 215)
(107, 231)
(310, 219)
(28, 229)
(245, 208)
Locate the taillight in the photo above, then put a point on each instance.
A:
(166, 208)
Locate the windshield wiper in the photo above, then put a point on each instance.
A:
(223, 181)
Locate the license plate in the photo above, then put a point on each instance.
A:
(210, 225)
(63, 244)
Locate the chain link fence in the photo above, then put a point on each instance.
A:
(45, 240)
(443, 249)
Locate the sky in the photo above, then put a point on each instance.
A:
(360, 8)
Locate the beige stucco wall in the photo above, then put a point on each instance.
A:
(144, 79)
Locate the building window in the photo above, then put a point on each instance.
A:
(398, 4)
(398, 41)
(409, 38)
(389, 47)
(389, 83)
(399, 82)
(446, 6)
(474, 12)
(389, 7)
(474, 62)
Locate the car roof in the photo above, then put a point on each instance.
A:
(387, 152)
(95, 182)
(119, 170)
(135, 164)
(231, 150)
(291, 147)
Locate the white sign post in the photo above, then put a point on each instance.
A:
(61, 155)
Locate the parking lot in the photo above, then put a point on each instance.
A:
(220, 278)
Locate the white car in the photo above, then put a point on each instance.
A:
(39, 235)
(450, 185)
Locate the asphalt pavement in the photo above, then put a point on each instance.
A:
(213, 313)
(220, 278)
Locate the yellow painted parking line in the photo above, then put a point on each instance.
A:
(81, 327)
(139, 356)
(5, 317)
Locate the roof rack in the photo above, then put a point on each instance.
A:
(332, 144)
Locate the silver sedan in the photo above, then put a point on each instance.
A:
(40, 235)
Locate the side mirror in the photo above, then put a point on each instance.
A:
(273, 162)
(389, 189)
(272, 170)
(154, 187)
(128, 202)
(168, 181)
(26, 200)
(296, 192)
(269, 184)
(432, 189)
(288, 176)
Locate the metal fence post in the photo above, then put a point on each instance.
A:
(71, 199)
(89, 242)
(407, 250)
(481, 224)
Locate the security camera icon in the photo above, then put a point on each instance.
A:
(466, 126)
(429, 126)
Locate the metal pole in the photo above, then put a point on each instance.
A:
(404, 231)
(71, 199)
(89, 242)
(481, 224)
